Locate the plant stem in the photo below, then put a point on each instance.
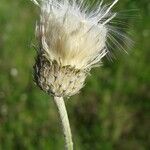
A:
(64, 121)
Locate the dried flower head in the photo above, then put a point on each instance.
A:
(72, 40)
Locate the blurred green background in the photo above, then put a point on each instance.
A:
(112, 111)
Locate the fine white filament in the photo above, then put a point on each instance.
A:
(70, 34)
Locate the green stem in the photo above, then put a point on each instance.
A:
(64, 121)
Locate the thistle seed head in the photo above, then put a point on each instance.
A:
(71, 41)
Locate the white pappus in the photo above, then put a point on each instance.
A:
(71, 34)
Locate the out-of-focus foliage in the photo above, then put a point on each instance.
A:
(111, 112)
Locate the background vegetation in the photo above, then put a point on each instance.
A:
(111, 112)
